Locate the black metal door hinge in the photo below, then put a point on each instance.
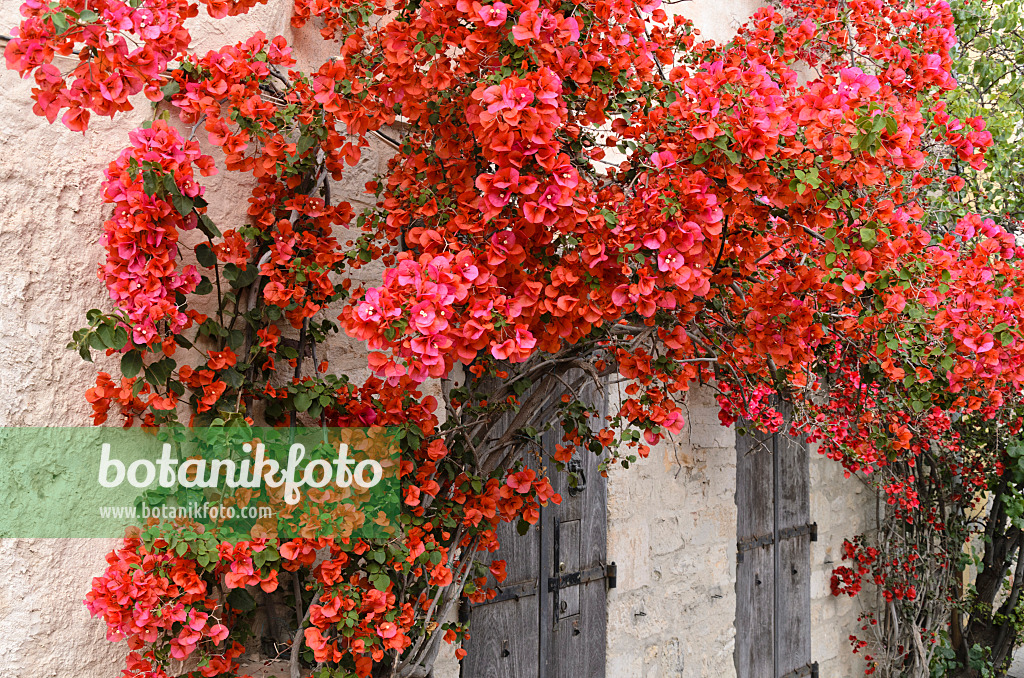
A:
(608, 572)
(805, 671)
(810, 529)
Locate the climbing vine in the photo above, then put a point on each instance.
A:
(578, 192)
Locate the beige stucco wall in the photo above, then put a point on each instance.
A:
(671, 519)
(51, 217)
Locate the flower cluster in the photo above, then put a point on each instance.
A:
(136, 41)
(155, 197)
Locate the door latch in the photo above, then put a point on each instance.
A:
(577, 478)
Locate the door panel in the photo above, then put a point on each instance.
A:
(558, 570)
(503, 640)
(574, 534)
(773, 594)
(792, 575)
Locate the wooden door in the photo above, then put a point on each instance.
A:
(573, 613)
(549, 618)
(774, 534)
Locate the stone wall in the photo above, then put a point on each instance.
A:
(672, 534)
(842, 507)
(671, 518)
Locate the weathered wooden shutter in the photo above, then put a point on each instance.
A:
(573, 614)
(774, 534)
(549, 618)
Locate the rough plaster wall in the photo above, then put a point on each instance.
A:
(842, 507)
(50, 217)
(716, 20)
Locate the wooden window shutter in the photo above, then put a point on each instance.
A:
(774, 534)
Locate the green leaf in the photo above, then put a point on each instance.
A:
(302, 401)
(106, 334)
(305, 143)
(131, 363)
(232, 377)
(170, 89)
(242, 600)
(205, 256)
(60, 22)
(207, 226)
(183, 204)
(239, 278)
(149, 183)
(159, 372)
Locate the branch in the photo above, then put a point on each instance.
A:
(421, 667)
(535, 401)
(814, 234)
(293, 662)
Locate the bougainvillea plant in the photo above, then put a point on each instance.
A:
(577, 191)
(945, 559)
